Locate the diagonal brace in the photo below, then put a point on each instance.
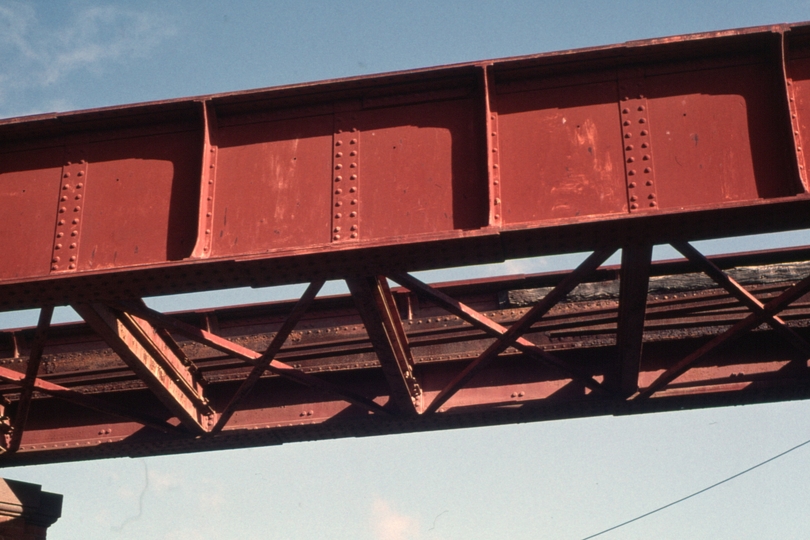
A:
(776, 305)
(482, 322)
(745, 297)
(250, 356)
(380, 316)
(559, 292)
(140, 346)
(263, 362)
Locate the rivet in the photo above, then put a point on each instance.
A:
(353, 141)
(353, 165)
(78, 197)
(626, 123)
(646, 157)
(354, 235)
(497, 216)
(55, 259)
(651, 196)
(60, 235)
(62, 210)
(57, 246)
(631, 159)
(73, 258)
(76, 209)
(647, 170)
(354, 201)
(338, 143)
(67, 175)
(495, 166)
(66, 186)
(633, 198)
(628, 135)
(493, 133)
(338, 166)
(353, 214)
(207, 231)
(339, 130)
(338, 203)
(63, 198)
(521, 394)
(644, 145)
(643, 133)
(54, 267)
(80, 173)
(210, 198)
(514, 394)
(75, 221)
(353, 153)
(338, 191)
(73, 246)
(61, 222)
(629, 147)
(652, 203)
(208, 214)
(338, 178)
(338, 215)
(799, 149)
(352, 189)
(625, 111)
(633, 206)
(353, 177)
(336, 237)
(631, 172)
(336, 229)
(497, 202)
(649, 182)
(640, 108)
(495, 182)
(339, 154)
(72, 266)
(642, 120)
(354, 129)
(353, 227)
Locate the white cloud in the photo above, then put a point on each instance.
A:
(36, 56)
(388, 524)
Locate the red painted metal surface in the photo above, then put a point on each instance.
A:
(621, 147)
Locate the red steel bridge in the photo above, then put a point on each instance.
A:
(603, 150)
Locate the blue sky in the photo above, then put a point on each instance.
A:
(564, 479)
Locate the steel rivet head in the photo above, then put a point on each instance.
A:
(633, 198)
(338, 215)
(339, 154)
(353, 165)
(354, 129)
(338, 191)
(626, 122)
(78, 197)
(75, 221)
(631, 172)
(72, 266)
(207, 231)
(73, 258)
(629, 147)
(80, 173)
(338, 143)
(67, 175)
(353, 141)
(652, 203)
(208, 214)
(77, 208)
(336, 237)
(632, 184)
(644, 145)
(354, 235)
(354, 227)
(649, 182)
(646, 157)
(647, 170)
(72, 246)
(651, 196)
(55, 259)
(353, 153)
(353, 177)
(633, 206)
(352, 189)
(66, 186)
(338, 203)
(625, 111)
(338, 166)
(354, 201)
(60, 235)
(353, 214)
(338, 178)
(640, 108)
(57, 246)
(54, 267)
(631, 159)
(61, 222)
(497, 202)
(63, 198)
(336, 229)
(628, 135)
(643, 132)
(642, 120)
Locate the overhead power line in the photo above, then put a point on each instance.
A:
(696, 493)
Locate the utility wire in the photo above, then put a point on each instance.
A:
(673, 503)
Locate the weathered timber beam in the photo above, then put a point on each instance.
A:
(264, 361)
(142, 349)
(381, 318)
(523, 325)
(482, 322)
(250, 356)
(633, 283)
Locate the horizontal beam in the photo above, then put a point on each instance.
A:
(349, 196)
